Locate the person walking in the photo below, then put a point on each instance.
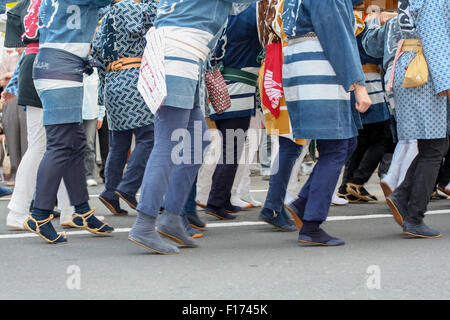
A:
(66, 31)
(119, 45)
(421, 106)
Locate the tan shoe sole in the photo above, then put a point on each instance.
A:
(151, 249)
(395, 212)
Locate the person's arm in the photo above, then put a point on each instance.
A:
(12, 89)
(433, 28)
(332, 23)
(373, 39)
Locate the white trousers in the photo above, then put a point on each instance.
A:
(27, 172)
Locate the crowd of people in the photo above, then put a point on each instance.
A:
(186, 95)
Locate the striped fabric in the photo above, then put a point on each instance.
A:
(379, 111)
(319, 107)
(242, 99)
(186, 51)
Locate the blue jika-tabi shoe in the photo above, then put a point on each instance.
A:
(90, 223)
(276, 219)
(113, 206)
(130, 200)
(45, 230)
(221, 213)
(319, 237)
(296, 214)
(397, 209)
(420, 230)
(195, 221)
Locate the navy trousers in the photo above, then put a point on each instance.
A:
(120, 143)
(318, 191)
(63, 159)
(281, 173)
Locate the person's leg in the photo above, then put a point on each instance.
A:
(233, 133)
(103, 138)
(120, 143)
(444, 174)
(172, 223)
(379, 139)
(390, 181)
(288, 153)
(156, 179)
(312, 206)
(352, 164)
(22, 196)
(90, 127)
(285, 159)
(12, 132)
(431, 153)
(132, 179)
(292, 189)
(408, 159)
(23, 131)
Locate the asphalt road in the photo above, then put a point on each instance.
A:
(245, 259)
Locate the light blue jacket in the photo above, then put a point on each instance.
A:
(209, 15)
(66, 31)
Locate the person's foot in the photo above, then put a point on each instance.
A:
(201, 204)
(311, 233)
(194, 233)
(319, 237)
(337, 201)
(436, 196)
(420, 230)
(195, 221)
(398, 210)
(360, 192)
(351, 199)
(129, 199)
(232, 209)
(15, 220)
(219, 213)
(249, 199)
(88, 221)
(171, 225)
(143, 233)
(45, 229)
(287, 218)
(113, 206)
(91, 183)
(236, 201)
(444, 189)
(296, 210)
(387, 185)
(276, 219)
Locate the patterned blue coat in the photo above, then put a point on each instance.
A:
(122, 35)
(420, 112)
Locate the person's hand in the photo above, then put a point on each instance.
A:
(99, 124)
(384, 17)
(445, 93)
(6, 97)
(363, 101)
(2, 138)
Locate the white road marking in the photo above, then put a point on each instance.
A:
(18, 235)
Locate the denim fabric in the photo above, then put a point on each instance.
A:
(120, 143)
(191, 205)
(279, 180)
(318, 190)
(176, 129)
(64, 159)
